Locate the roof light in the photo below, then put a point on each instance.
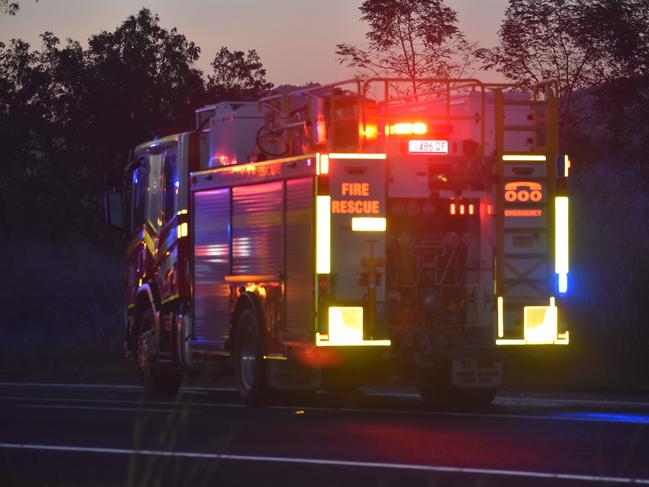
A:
(369, 131)
(408, 128)
(322, 164)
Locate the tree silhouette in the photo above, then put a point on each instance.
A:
(584, 44)
(237, 76)
(409, 39)
(9, 8)
(68, 115)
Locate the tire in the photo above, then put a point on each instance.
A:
(156, 378)
(249, 361)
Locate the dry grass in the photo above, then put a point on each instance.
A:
(63, 312)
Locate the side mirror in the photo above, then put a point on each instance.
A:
(114, 210)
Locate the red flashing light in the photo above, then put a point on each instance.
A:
(462, 209)
(407, 128)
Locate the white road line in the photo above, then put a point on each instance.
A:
(122, 387)
(328, 462)
(99, 408)
(70, 386)
(119, 401)
(535, 417)
(532, 401)
(543, 417)
(538, 401)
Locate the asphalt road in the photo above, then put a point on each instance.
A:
(67, 434)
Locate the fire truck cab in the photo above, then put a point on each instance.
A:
(347, 229)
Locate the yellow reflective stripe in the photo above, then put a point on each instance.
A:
(170, 298)
(149, 242)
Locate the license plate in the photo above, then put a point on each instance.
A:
(428, 147)
(477, 373)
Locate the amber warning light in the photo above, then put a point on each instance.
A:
(428, 147)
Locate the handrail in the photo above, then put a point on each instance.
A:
(449, 89)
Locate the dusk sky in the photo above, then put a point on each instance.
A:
(295, 39)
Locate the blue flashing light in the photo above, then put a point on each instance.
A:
(177, 184)
(135, 177)
(563, 283)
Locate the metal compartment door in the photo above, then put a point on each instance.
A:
(300, 259)
(211, 264)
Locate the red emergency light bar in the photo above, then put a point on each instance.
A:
(407, 128)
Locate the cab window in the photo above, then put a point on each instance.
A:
(171, 186)
(139, 180)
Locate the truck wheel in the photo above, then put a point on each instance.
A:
(156, 378)
(249, 362)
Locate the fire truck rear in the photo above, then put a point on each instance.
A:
(349, 231)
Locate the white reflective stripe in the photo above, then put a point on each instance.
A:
(501, 318)
(561, 235)
(323, 234)
(355, 155)
(368, 224)
(322, 461)
(524, 158)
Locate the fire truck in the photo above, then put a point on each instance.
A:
(319, 238)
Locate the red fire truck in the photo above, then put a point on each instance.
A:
(364, 227)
